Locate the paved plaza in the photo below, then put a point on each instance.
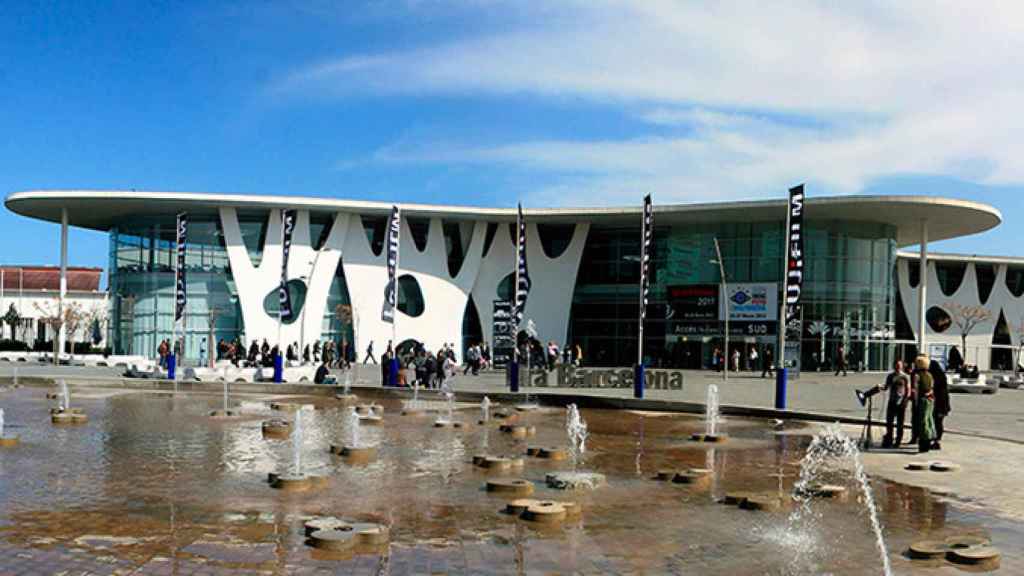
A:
(986, 483)
(1000, 415)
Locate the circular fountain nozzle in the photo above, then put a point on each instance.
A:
(545, 511)
(326, 523)
(277, 428)
(987, 556)
(928, 550)
(514, 486)
(333, 540)
(293, 482)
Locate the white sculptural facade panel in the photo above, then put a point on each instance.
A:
(444, 296)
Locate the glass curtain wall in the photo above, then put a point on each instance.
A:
(848, 293)
(142, 258)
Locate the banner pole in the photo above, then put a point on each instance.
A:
(781, 356)
(395, 364)
(639, 376)
(172, 366)
(514, 373)
(278, 358)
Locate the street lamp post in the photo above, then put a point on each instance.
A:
(725, 304)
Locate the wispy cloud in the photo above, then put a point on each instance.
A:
(741, 99)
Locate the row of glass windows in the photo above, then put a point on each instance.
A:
(848, 285)
(849, 268)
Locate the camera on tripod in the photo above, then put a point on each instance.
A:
(864, 395)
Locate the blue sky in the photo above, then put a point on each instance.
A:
(485, 102)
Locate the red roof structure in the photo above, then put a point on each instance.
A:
(48, 278)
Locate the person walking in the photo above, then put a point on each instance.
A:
(924, 392)
(768, 363)
(841, 360)
(942, 407)
(736, 360)
(898, 385)
(369, 354)
(752, 359)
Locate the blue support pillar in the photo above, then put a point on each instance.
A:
(639, 381)
(513, 376)
(278, 368)
(172, 366)
(780, 389)
(393, 372)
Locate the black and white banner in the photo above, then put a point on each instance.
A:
(795, 258)
(645, 255)
(287, 229)
(522, 271)
(180, 297)
(387, 314)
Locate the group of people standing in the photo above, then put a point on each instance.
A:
(926, 390)
(428, 369)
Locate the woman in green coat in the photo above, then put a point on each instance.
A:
(924, 406)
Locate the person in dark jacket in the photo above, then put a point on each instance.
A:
(323, 375)
(942, 407)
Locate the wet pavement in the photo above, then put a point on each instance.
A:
(152, 485)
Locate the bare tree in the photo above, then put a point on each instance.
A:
(1019, 331)
(344, 314)
(70, 318)
(967, 319)
(212, 314)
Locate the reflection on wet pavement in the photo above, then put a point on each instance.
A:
(151, 485)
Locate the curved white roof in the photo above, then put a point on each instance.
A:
(102, 209)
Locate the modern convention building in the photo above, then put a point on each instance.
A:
(455, 271)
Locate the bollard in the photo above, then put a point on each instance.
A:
(638, 381)
(780, 389)
(513, 376)
(172, 366)
(278, 368)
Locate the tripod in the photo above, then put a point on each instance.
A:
(865, 434)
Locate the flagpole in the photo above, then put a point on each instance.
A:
(283, 285)
(177, 271)
(394, 321)
(280, 305)
(643, 252)
(646, 235)
(639, 377)
(514, 383)
(781, 356)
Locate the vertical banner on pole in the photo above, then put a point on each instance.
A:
(180, 297)
(391, 291)
(521, 291)
(391, 288)
(180, 293)
(284, 296)
(646, 238)
(791, 324)
(522, 270)
(795, 261)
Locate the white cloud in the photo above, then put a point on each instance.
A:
(876, 89)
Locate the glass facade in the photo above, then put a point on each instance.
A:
(141, 269)
(849, 290)
(848, 295)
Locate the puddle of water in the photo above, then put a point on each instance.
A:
(152, 483)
